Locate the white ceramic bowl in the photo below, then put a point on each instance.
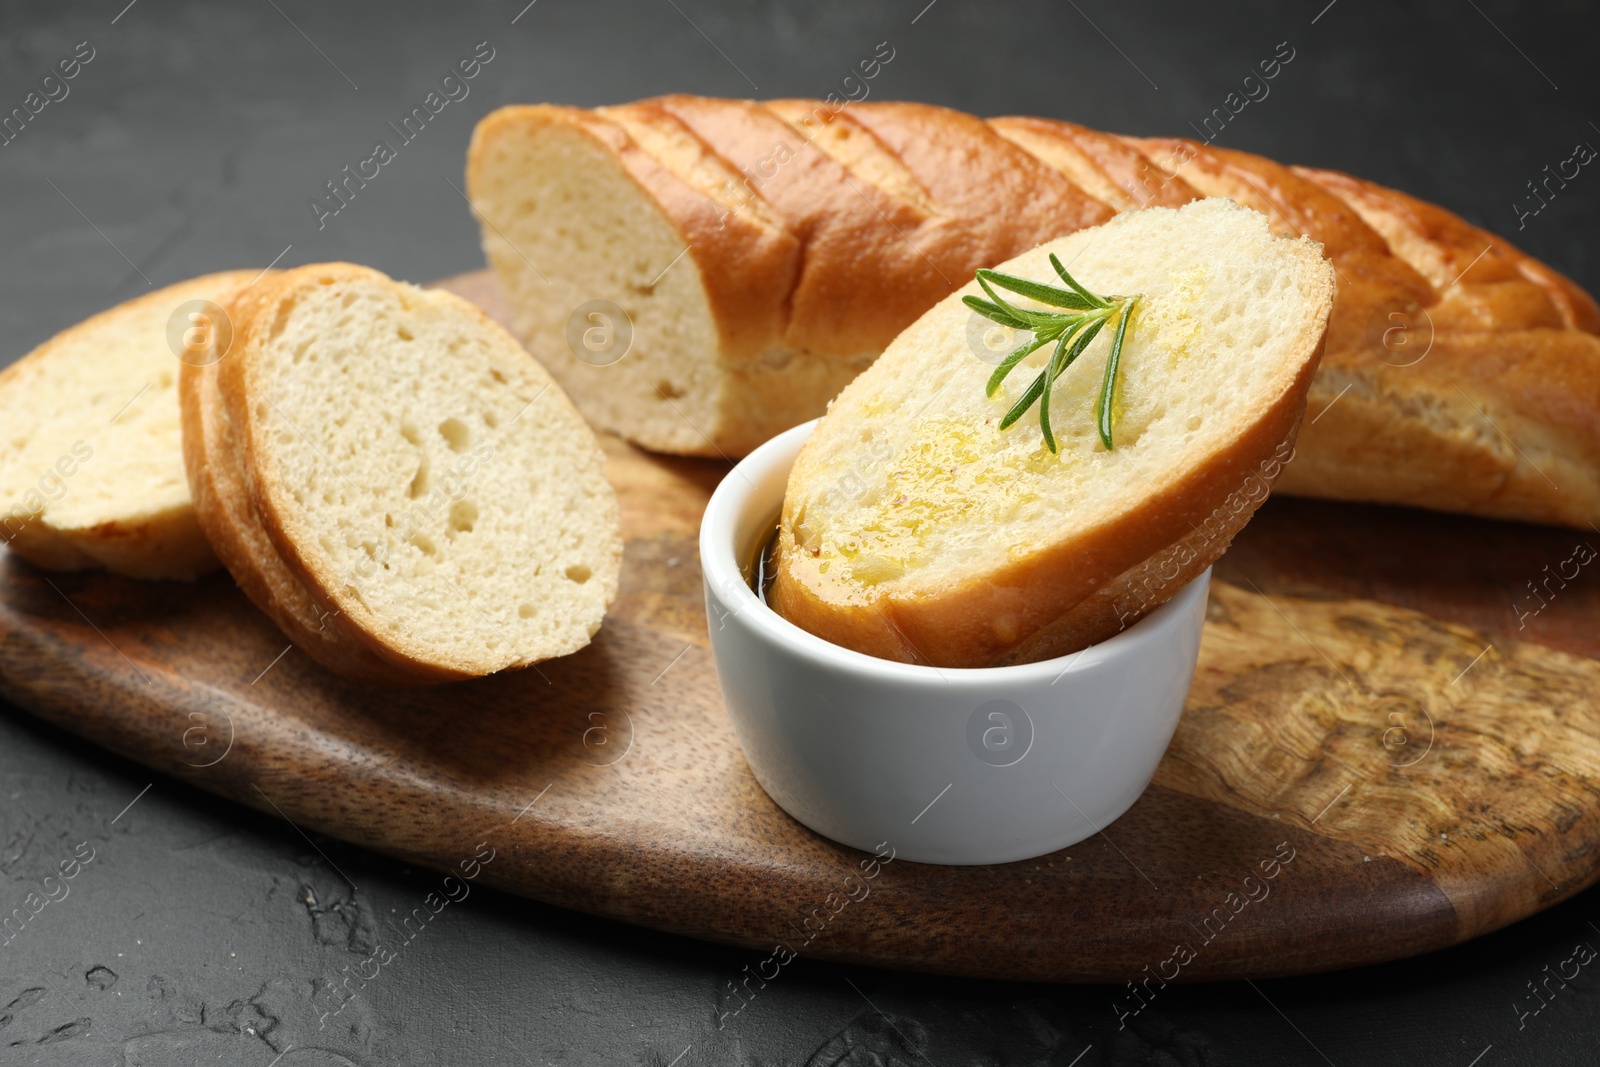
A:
(943, 765)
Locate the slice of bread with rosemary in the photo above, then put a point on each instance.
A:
(961, 506)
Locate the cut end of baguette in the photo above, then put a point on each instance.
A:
(432, 505)
(916, 529)
(566, 226)
(91, 455)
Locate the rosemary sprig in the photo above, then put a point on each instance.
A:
(1083, 316)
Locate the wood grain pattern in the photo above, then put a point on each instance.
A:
(1368, 701)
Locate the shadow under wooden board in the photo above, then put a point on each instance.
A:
(1380, 755)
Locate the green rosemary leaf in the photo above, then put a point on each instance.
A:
(1032, 319)
(1108, 387)
(1056, 364)
(1054, 368)
(1060, 360)
(994, 312)
(1054, 321)
(1094, 301)
(1006, 365)
(1020, 408)
(1072, 331)
(1084, 336)
(1000, 301)
(1045, 294)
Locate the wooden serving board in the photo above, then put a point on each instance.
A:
(1380, 756)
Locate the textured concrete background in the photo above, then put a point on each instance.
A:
(199, 933)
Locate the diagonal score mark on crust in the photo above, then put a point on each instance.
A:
(856, 149)
(688, 157)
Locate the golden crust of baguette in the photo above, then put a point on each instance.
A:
(857, 282)
(891, 206)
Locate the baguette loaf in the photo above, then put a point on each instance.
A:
(387, 474)
(1459, 374)
(91, 461)
(914, 528)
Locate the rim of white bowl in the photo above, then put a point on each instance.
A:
(719, 564)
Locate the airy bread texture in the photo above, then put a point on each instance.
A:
(915, 529)
(91, 457)
(387, 474)
(1460, 374)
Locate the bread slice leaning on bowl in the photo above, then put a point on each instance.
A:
(91, 455)
(392, 478)
(915, 529)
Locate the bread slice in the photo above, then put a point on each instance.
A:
(915, 529)
(388, 475)
(91, 461)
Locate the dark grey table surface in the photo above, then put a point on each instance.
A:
(193, 140)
